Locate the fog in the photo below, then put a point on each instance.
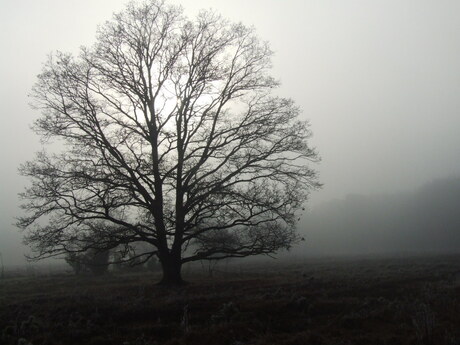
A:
(378, 80)
(425, 221)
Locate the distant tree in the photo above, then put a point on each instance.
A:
(95, 261)
(75, 260)
(172, 138)
(128, 261)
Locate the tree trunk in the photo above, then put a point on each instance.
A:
(171, 266)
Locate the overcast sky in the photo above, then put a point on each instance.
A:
(379, 81)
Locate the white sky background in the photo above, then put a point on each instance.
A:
(379, 81)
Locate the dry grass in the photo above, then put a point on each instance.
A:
(347, 301)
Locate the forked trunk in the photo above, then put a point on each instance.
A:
(171, 267)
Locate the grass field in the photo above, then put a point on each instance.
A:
(404, 300)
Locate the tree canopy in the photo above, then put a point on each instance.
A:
(172, 137)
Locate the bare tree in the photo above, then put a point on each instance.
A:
(172, 138)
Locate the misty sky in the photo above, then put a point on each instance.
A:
(379, 81)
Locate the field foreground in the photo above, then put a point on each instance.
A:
(406, 300)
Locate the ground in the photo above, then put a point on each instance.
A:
(385, 300)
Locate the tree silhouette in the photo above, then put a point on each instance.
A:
(172, 138)
(97, 262)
